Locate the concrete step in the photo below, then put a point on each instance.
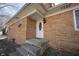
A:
(22, 51)
(33, 50)
(32, 47)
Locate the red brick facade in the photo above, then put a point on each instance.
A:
(19, 33)
(59, 30)
(31, 28)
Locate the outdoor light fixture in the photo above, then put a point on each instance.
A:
(44, 20)
(19, 25)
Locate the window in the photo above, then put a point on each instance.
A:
(76, 19)
(40, 26)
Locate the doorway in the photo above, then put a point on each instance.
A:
(39, 29)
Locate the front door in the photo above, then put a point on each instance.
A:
(39, 29)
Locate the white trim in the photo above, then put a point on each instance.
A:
(40, 14)
(39, 33)
(75, 25)
(32, 12)
(19, 11)
(24, 16)
(74, 20)
(62, 11)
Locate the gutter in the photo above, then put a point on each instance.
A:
(61, 8)
(25, 5)
(48, 10)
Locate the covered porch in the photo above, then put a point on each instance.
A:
(35, 25)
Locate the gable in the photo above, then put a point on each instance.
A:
(27, 9)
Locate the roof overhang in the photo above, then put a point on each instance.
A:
(36, 15)
(62, 8)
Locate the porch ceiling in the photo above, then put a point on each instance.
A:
(36, 16)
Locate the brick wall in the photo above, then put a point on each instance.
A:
(26, 31)
(59, 30)
(19, 33)
(31, 28)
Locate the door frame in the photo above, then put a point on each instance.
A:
(39, 32)
(42, 32)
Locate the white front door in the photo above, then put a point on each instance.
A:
(39, 29)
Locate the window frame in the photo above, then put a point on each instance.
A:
(75, 20)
